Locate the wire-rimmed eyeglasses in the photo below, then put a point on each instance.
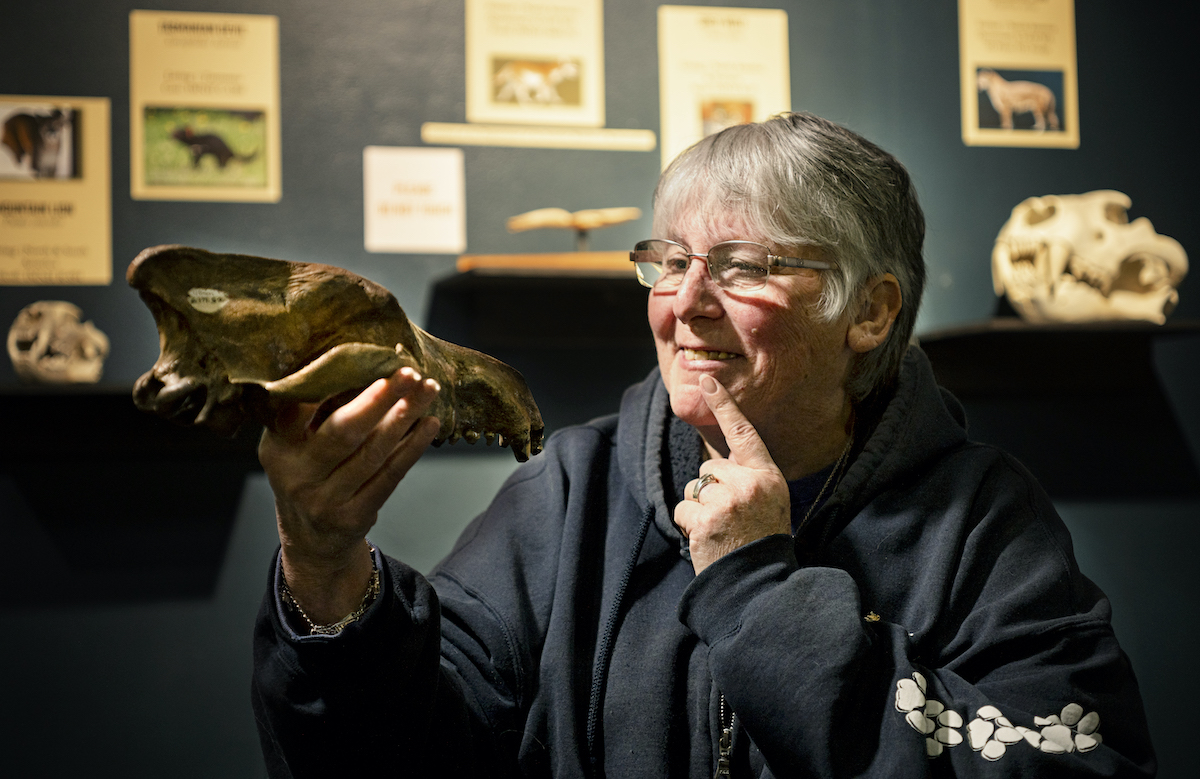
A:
(741, 265)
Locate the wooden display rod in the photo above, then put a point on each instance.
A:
(550, 264)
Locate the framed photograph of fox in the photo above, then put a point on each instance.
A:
(529, 63)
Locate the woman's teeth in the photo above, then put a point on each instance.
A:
(703, 354)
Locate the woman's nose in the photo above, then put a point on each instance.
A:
(696, 295)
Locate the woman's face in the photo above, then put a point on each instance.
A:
(785, 367)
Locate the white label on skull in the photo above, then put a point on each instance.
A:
(207, 301)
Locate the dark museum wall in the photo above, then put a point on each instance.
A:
(131, 567)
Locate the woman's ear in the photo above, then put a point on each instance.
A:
(879, 308)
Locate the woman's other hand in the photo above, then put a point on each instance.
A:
(749, 498)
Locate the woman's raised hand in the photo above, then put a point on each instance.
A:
(737, 499)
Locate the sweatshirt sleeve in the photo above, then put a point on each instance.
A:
(436, 678)
(375, 699)
(1017, 674)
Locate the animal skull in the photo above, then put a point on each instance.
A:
(47, 343)
(242, 336)
(1077, 258)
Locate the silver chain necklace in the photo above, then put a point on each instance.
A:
(834, 477)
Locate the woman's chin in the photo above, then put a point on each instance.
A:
(688, 404)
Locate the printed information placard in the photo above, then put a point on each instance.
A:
(204, 106)
(55, 191)
(414, 200)
(535, 62)
(719, 67)
(1018, 74)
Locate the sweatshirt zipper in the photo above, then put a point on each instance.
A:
(725, 745)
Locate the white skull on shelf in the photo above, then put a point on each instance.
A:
(1078, 258)
(48, 344)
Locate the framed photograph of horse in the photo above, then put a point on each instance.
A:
(1018, 74)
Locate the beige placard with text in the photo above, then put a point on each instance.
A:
(204, 106)
(537, 62)
(719, 67)
(1018, 73)
(414, 200)
(55, 191)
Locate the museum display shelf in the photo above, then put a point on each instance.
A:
(578, 335)
(1081, 405)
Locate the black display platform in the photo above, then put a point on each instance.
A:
(579, 340)
(1081, 405)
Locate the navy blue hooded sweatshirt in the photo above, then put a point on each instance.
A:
(929, 620)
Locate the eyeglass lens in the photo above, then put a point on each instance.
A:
(738, 265)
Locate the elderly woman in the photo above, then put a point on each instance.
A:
(782, 557)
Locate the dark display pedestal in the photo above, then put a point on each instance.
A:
(579, 340)
(1081, 405)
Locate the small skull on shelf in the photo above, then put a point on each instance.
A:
(48, 344)
(1078, 258)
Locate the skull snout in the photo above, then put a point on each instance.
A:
(188, 400)
(175, 397)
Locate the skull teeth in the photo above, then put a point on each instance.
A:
(523, 446)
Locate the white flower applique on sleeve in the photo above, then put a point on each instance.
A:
(928, 717)
(990, 733)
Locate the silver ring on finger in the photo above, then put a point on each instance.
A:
(704, 480)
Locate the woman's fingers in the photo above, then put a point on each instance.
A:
(376, 490)
(330, 482)
(402, 397)
(729, 505)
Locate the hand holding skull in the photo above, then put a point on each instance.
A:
(330, 477)
(243, 337)
(292, 346)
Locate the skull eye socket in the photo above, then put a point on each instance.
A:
(1040, 213)
(1116, 213)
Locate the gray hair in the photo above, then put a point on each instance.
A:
(795, 180)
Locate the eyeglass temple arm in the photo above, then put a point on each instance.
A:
(796, 262)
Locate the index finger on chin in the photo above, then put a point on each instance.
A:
(746, 447)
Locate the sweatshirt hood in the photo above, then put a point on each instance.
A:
(658, 453)
(919, 424)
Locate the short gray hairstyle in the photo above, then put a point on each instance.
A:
(795, 180)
